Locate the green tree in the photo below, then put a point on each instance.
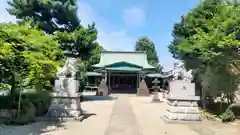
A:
(48, 15)
(146, 45)
(95, 57)
(27, 53)
(58, 17)
(80, 42)
(207, 39)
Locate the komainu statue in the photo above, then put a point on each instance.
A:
(69, 68)
(180, 72)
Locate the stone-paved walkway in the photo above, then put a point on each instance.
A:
(127, 115)
(123, 120)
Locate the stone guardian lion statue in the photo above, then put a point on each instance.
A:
(69, 68)
(180, 73)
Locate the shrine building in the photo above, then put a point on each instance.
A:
(122, 70)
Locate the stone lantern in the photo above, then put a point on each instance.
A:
(156, 88)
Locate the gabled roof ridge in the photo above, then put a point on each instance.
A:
(125, 63)
(138, 58)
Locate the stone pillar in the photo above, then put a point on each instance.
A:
(106, 75)
(102, 89)
(137, 81)
(109, 81)
(113, 82)
(143, 89)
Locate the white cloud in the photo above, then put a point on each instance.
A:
(4, 15)
(110, 40)
(134, 16)
(118, 41)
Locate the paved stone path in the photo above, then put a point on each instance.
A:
(123, 120)
(127, 115)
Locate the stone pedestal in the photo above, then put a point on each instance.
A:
(102, 89)
(143, 89)
(66, 99)
(155, 94)
(182, 103)
(156, 88)
(155, 97)
(182, 109)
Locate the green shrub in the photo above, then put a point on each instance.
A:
(207, 115)
(227, 116)
(27, 114)
(41, 101)
(7, 102)
(236, 111)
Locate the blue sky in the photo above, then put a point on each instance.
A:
(122, 22)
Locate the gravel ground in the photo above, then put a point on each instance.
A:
(149, 118)
(94, 125)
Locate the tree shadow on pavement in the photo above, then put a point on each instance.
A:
(36, 128)
(97, 98)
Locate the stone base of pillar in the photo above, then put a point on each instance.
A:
(155, 97)
(143, 89)
(182, 110)
(65, 107)
(102, 89)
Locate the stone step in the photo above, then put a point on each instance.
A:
(188, 110)
(182, 116)
(180, 121)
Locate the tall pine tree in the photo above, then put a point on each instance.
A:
(48, 15)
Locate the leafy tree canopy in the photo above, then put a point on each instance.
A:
(27, 53)
(81, 42)
(145, 44)
(59, 17)
(209, 31)
(48, 15)
(94, 57)
(207, 39)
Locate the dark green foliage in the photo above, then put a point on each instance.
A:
(7, 102)
(146, 45)
(32, 105)
(227, 116)
(48, 15)
(41, 101)
(206, 39)
(58, 17)
(80, 42)
(220, 110)
(27, 114)
(94, 58)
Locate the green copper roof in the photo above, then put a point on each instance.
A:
(158, 75)
(124, 68)
(138, 59)
(93, 74)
